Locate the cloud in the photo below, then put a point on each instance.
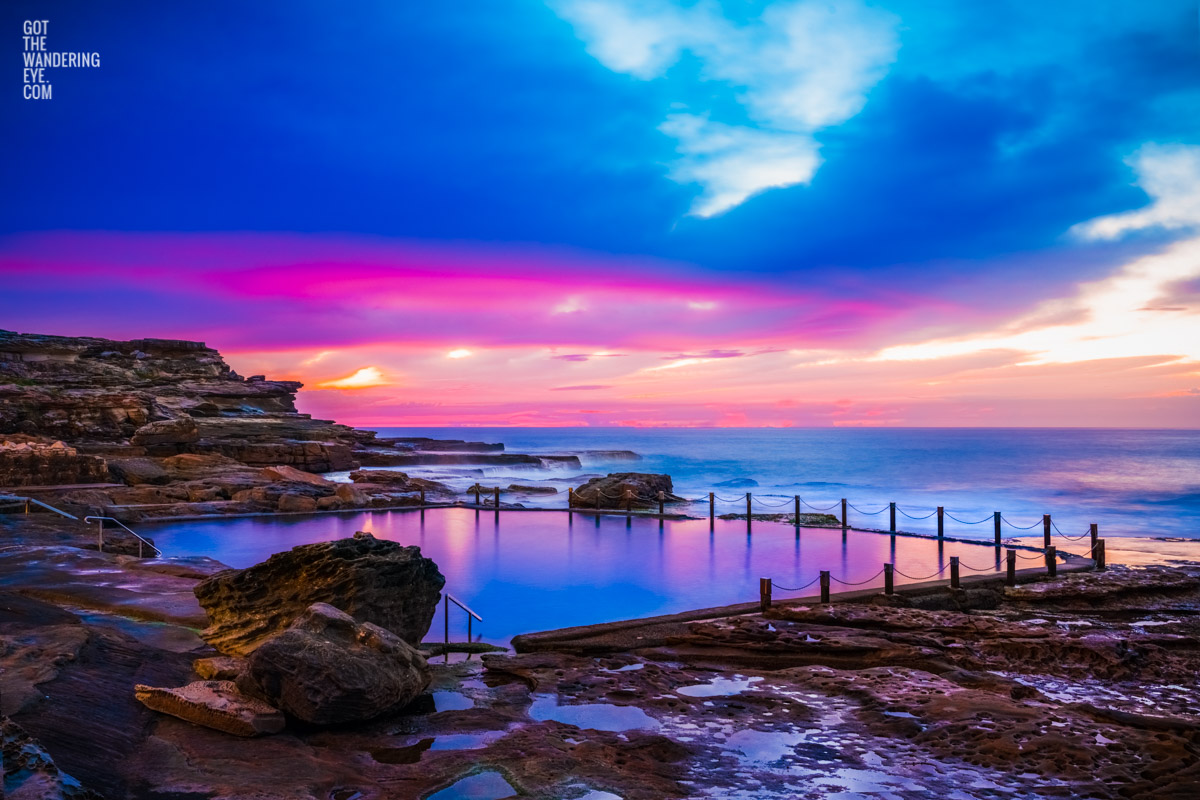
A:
(362, 379)
(798, 68)
(581, 388)
(1170, 175)
(1115, 317)
(709, 354)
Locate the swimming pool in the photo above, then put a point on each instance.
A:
(526, 571)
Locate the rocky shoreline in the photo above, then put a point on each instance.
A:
(306, 676)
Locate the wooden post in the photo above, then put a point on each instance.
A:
(26, 505)
(1098, 555)
(712, 511)
(941, 522)
(797, 520)
(1011, 578)
(628, 503)
(469, 639)
(597, 502)
(954, 576)
(1052, 561)
(889, 586)
(422, 498)
(497, 498)
(1094, 531)
(570, 503)
(892, 508)
(476, 487)
(843, 512)
(824, 586)
(764, 594)
(1046, 531)
(996, 524)
(747, 512)
(661, 499)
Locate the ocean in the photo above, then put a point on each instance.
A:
(1129, 482)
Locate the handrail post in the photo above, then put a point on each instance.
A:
(954, 576)
(843, 513)
(1046, 531)
(497, 498)
(892, 508)
(628, 504)
(824, 586)
(889, 586)
(996, 523)
(1052, 561)
(26, 505)
(100, 536)
(797, 520)
(1094, 532)
(764, 594)
(662, 497)
(476, 488)
(1098, 556)
(446, 614)
(1011, 576)
(470, 619)
(712, 511)
(422, 498)
(941, 513)
(570, 503)
(748, 513)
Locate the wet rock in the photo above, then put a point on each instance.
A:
(1094, 587)
(181, 430)
(293, 475)
(296, 503)
(219, 668)
(352, 495)
(138, 471)
(610, 491)
(30, 773)
(215, 704)
(521, 489)
(327, 669)
(372, 580)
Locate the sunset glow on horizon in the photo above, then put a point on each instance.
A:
(783, 213)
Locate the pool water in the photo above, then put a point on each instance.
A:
(526, 571)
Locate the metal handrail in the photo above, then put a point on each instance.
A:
(449, 598)
(47, 506)
(141, 541)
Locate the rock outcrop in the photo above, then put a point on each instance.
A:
(327, 668)
(214, 704)
(370, 579)
(26, 461)
(30, 774)
(610, 491)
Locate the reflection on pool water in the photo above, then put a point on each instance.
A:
(537, 570)
(597, 716)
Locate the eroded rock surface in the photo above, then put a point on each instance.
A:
(372, 580)
(216, 704)
(610, 491)
(327, 669)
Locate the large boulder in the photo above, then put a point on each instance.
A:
(291, 503)
(138, 471)
(328, 669)
(181, 430)
(372, 580)
(610, 490)
(214, 704)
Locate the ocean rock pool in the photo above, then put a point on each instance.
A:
(526, 571)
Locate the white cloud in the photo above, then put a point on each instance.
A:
(1170, 175)
(1120, 316)
(798, 68)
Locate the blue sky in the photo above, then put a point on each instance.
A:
(918, 151)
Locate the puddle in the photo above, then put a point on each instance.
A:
(627, 668)
(719, 687)
(451, 701)
(597, 716)
(484, 786)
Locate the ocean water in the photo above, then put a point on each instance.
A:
(1129, 482)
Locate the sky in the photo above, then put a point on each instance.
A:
(609, 212)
